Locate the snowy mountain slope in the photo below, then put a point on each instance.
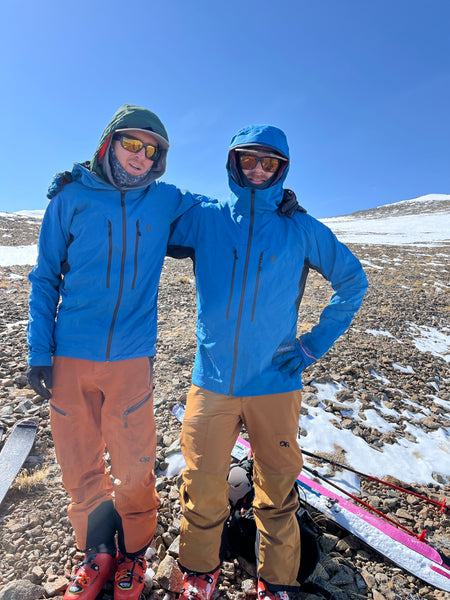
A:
(420, 221)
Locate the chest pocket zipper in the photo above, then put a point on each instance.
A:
(136, 247)
(108, 270)
(233, 274)
(134, 408)
(257, 285)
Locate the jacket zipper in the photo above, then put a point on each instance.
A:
(133, 408)
(136, 246)
(233, 273)
(241, 303)
(257, 285)
(122, 273)
(108, 271)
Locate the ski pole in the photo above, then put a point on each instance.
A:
(421, 537)
(442, 505)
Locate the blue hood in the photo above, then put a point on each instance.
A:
(265, 199)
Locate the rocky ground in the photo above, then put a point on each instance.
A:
(37, 550)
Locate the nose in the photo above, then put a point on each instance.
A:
(141, 153)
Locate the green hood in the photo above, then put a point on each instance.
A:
(129, 116)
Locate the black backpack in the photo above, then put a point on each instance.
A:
(239, 536)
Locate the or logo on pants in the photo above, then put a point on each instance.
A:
(284, 444)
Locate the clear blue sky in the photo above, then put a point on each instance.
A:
(361, 87)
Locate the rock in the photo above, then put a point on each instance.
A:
(440, 478)
(404, 514)
(169, 575)
(310, 399)
(37, 574)
(174, 548)
(56, 586)
(249, 587)
(21, 589)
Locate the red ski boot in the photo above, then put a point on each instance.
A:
(90, 576)
(265, 594)
(129, 580)
(198, 586)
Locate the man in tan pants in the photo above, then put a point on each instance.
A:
(211, 425)
(251, 264)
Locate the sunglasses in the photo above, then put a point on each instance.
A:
(268, 163)
(134, 145)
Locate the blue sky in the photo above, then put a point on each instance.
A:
(361, 88)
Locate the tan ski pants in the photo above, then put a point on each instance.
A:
(106, 404)
(211, 424)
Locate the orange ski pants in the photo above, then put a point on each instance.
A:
(211, 424)
(106, 405)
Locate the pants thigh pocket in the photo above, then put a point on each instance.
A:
(136, 410)
(282, 455)
(194, 442)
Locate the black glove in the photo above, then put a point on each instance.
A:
(41, 380)
(61, 179)
(289, 205)
(293, 358)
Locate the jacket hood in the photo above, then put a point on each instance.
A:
(262, 135)
(258, 135)
(129, 116)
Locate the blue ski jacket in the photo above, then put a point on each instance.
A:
(251, 267)
(94, 287)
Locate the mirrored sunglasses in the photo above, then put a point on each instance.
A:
(134, 145)
(268, 163)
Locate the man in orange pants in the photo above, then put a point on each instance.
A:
(101, 250)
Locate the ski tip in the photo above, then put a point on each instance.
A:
(27, 423)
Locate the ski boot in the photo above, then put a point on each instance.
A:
(90, 576)
(265, 594)
(130, 576)
(198, 586)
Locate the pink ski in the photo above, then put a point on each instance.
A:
(416, 557)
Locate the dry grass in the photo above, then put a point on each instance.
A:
(25, 481)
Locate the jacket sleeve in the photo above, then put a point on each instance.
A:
(187, 200)
(343, 270)
(185, 232)
(45, 278)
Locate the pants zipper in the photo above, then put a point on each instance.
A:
(58, 410)
(134, 408)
